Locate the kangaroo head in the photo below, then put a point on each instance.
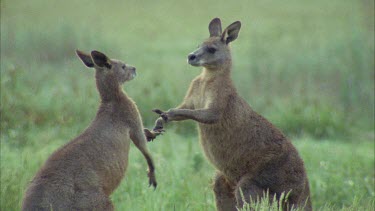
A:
(108, 68)
(214, 51)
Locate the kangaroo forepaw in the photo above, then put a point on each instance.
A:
(152, 180)
(161, 113)
(151, 135)
(158, 127)
(158, 111)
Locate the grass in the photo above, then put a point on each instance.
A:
(306, 66)
(286, 54)
(340, 174)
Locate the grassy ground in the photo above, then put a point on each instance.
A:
(308, 66)
(341, 174)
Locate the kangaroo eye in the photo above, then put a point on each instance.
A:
(123, 67)
(211, 50)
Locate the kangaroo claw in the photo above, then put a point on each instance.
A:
(152, 180)
(153, 183)
(158, 111)
(164, 116)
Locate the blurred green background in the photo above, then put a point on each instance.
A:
(307, 66)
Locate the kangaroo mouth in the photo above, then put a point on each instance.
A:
(134, 74)
(194, 63)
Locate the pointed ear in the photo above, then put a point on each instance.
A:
(85, 58)
(101, 59)
(215, 27)
(231, 32)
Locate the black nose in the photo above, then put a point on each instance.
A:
(191, 57)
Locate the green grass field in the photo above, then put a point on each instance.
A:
(307, 66)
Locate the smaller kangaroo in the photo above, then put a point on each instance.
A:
(250, 154)
(82, 174)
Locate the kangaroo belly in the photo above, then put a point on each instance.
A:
(112, 163)
(222, 150)
(115, 173)
(238, 149)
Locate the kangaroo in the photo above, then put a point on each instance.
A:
(251, 155)
(82, 174)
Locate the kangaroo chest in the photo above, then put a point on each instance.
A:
(203, 95)
(113, 158)
(219, 147)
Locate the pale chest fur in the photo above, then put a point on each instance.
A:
(203, 94)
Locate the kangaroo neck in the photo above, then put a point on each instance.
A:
(222, 71)
(108, 87)
(220, 78)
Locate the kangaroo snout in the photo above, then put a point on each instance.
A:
(193, 59)
(133, 71)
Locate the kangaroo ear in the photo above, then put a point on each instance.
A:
(215, 27)
(85, 58)
(101, 59)
(231, 32)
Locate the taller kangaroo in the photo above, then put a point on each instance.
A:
(250, 154)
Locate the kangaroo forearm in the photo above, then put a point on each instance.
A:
(207, 116)
(160, 122)
(179, 118)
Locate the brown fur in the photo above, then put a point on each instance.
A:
(249, 153)
(82, 174)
